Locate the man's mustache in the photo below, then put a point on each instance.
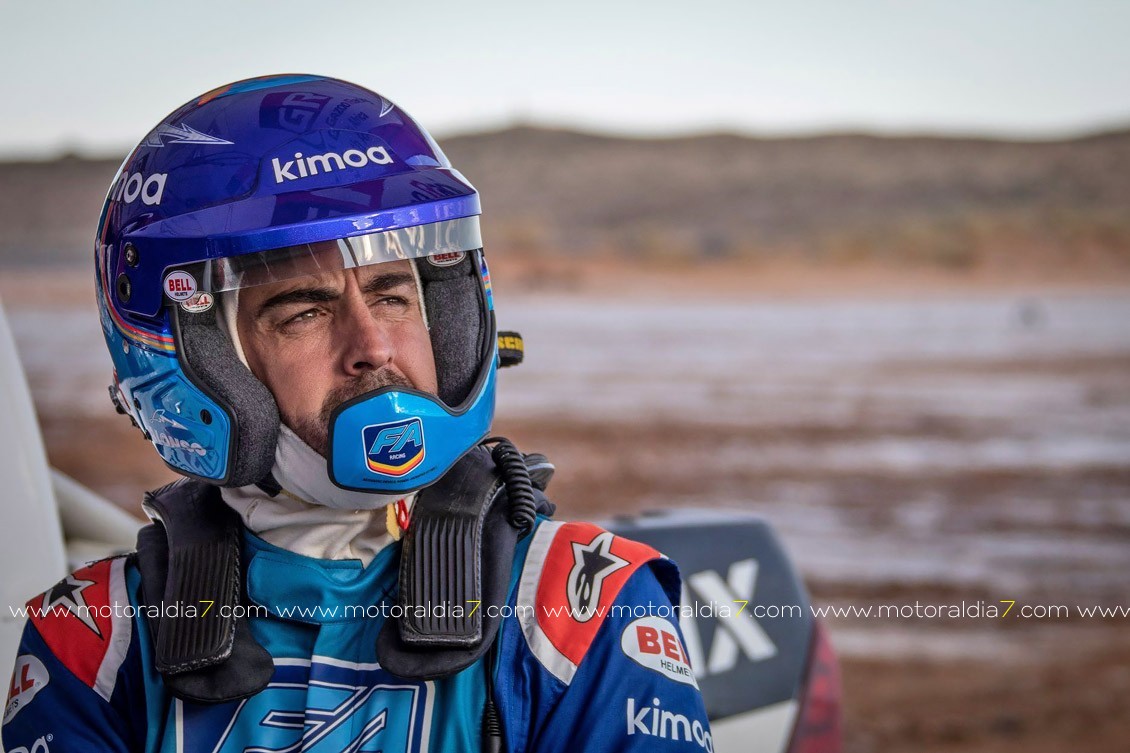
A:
(367, 382)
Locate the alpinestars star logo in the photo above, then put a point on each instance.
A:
(592, 563)
(67, 594)
(179, 134)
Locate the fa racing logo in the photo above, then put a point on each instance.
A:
(394, 449)
(339, 708)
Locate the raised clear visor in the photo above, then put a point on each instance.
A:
(447, 237)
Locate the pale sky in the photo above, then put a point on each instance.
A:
(96, 76)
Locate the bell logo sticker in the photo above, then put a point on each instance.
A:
(180, 286)
(29, 677)
(394, 449)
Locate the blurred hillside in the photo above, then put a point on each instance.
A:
(955, 203)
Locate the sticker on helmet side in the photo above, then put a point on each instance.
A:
(198, 303)
(395, 448)
(449, 259)
(653, 643)
(179, 285)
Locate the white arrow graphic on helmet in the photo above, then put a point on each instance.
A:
(179, 134)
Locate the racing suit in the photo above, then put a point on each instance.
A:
(615, 679)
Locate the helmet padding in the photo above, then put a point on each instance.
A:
(210, 360)
(459, 329)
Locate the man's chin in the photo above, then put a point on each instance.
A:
(316, 437)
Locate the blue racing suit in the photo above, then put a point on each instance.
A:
(610, 678)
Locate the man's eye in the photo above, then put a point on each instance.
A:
(392, 300)
(300, 318)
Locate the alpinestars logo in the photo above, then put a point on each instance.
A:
(592, 563)
(179, 134)
(305, 167)
(68, 594)
(654, 721)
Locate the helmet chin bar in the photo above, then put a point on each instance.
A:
(395, 440)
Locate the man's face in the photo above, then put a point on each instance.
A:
(319, 341)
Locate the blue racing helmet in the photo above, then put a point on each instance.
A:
(271, 178)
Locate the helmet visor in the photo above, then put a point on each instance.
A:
(446, 242)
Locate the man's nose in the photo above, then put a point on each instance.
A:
(367, 344)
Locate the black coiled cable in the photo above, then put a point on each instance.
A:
(516, 477)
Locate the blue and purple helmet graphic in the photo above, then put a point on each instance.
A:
(235, 178)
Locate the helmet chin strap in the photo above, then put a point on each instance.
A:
(298, 468)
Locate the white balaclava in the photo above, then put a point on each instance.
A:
(311, 515)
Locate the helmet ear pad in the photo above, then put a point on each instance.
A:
(457, 313)
(209, 360)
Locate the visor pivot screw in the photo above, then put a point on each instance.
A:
(124, 288)
(131, 255)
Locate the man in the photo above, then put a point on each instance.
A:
(293, 291)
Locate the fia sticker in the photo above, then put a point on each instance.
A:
(179, 285)
(198, 303)
(447, 259)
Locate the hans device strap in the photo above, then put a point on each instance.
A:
(190, 555)
(457, 560)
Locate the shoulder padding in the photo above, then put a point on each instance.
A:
(572, 576)
(84, 620)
